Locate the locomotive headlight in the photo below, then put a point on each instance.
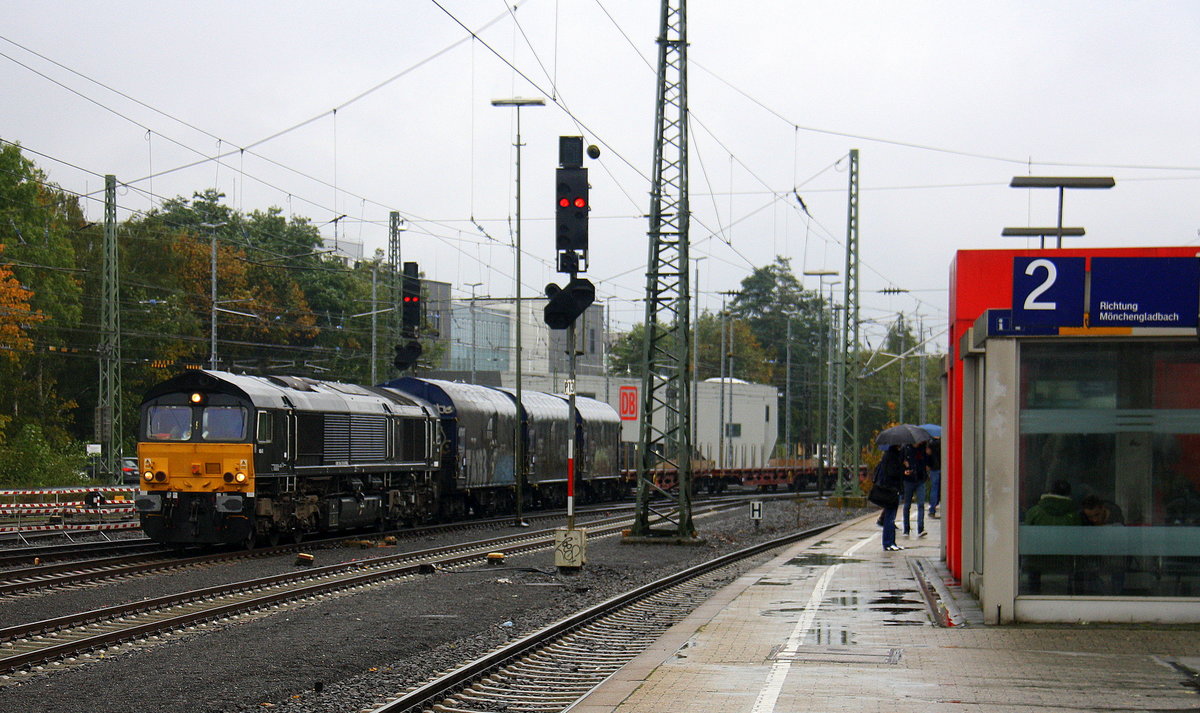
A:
(148, 476)
(240, 477)
(197, 397)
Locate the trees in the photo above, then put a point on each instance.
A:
(770, 298)
(750, 361)
(37, 225)
(41, 305)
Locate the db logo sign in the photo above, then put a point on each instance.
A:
(629, 403)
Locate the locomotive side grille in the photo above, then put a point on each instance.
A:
(368, 438)
(337, 438)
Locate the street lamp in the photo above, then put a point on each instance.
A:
(1061, 183)
(212, 352)
(826, 382)
(519, 450)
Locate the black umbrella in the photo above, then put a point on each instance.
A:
(901, 435)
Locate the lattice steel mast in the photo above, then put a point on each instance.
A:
(665, 434)
(393, 276)
(108, 410)
(848, 455)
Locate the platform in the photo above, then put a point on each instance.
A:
(837, 624)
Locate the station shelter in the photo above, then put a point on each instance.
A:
(1071, 453)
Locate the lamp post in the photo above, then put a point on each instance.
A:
(696, 355)
(473, 285)
(519, 450)
(825, 373)
(212, 351)
(1061, 183)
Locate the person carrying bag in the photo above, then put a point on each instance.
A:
(885, 492)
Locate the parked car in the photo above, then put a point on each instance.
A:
(129, 471)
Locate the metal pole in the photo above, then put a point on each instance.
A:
(831, 392)
(1060, 208)
(696, 359)
(721, 431)
(921, 362)
(571, 445)
(901, 330)
(787, 393)
(474, 342)
(519, 449)
(374, 319)
(212, 351)
(520, 446)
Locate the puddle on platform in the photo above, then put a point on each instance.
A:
(895, 599)
(897, 610)
(820, 560)
(849, 600)
(834, 635)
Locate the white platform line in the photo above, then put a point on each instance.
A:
(769, 694)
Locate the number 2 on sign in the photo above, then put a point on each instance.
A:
(1031, 301)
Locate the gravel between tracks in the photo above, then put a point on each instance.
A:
(343, 653)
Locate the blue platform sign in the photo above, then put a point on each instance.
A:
(1048, 291)
(1144, 292)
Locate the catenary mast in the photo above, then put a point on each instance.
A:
(664, 440)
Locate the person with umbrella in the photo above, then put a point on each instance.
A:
(889, 479)
(934, 463)
(894, 472)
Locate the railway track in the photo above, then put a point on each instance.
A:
(143, 556)
(549, 670)
(26, 556)
(26, 646)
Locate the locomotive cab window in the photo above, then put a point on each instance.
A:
(264, 427)
(169, 423)
(224, 423)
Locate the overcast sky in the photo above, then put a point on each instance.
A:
(946, 102)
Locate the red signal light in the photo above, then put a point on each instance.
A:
(580, 202)
(564, 202)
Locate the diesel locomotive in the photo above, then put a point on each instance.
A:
(227, 458)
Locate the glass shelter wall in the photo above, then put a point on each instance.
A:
(1109, 481)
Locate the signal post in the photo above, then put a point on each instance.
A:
(563, 310)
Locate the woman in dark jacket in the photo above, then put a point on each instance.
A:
(891, 475)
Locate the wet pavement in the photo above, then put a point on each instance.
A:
(837, 624)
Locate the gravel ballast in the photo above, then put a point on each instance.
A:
(347, 652)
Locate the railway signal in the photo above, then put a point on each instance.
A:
(567, 303)
(406, 354)
(571, 210)
(571, 205)
(410, 291)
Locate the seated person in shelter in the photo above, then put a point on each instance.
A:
(1100, 574)
(1096, 511)
(1052, 508)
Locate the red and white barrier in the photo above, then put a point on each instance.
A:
(74, 527)
(71, 491)
(67, 509)
(48, 504)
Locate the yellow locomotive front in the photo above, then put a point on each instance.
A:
(196, 462)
